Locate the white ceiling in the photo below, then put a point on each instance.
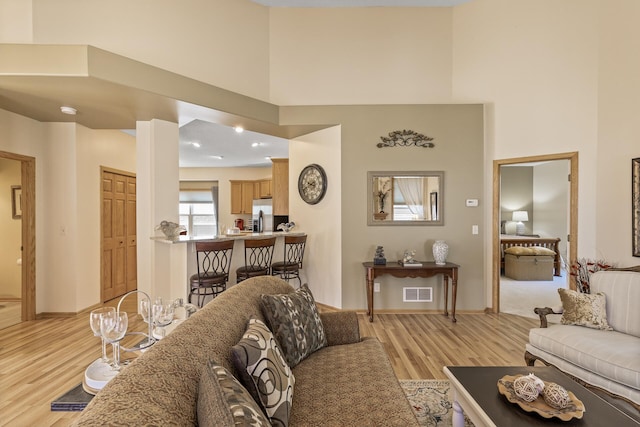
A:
(246, 149)
(360, 3)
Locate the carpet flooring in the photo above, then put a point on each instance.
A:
(430, 402)
(521, 297)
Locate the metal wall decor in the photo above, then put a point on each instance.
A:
(406, 138)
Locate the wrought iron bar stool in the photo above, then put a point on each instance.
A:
(257, 258)
(214, 262)
(293, 255)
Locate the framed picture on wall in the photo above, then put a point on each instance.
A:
(635, 205)
(16, 201)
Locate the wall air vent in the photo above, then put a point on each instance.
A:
(417, 294)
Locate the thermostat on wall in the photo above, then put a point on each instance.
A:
(472, 202)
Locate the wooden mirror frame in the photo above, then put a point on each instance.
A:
(374, 215)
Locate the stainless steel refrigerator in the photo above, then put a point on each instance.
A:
(262, 215)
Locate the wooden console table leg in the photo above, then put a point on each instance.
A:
(370, 293)
(454, 293)
(445, 279)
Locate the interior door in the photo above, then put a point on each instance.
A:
(118, 235)
(132, 251)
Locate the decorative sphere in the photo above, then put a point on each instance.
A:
(556, 396)
(528, 387)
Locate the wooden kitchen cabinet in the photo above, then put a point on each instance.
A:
(280, 186)
(264, 188)
(242, 195)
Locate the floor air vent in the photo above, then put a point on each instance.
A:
(417, 294)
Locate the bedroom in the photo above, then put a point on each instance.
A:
(541, 189)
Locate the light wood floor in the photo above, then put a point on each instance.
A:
(41, 360)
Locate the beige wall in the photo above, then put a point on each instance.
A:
(458, 132)
(360, 55)
(221, 42)
(15, 21)
(553, 77)
(551, 202)
(516, 194)
(10, 230)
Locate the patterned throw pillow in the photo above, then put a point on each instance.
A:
(295, 322)
(265, 373)
(580, 309)
(218, 385)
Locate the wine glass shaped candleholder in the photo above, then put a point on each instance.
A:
(144, 308)
(162, 316)
(113, 326)
(94, 321)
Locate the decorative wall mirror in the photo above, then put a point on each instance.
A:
(405, 198)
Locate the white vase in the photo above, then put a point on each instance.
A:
(440, 252)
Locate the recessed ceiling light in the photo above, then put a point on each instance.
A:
(196, 144)
(267, 157)
(256, 144)
(68, 110)
(239, 129)
(217, 157)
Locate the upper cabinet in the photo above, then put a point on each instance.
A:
(242, 195)
(264, 188)
(280, 186)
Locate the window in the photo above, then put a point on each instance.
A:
(198, 211)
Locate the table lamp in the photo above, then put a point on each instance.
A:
(519, 217)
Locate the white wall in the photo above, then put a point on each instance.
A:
(11, 232)
(322, 267)
(15, 21)
(618, 128)
(95, 148)
(535, 64)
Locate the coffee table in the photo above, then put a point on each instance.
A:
(475, 391)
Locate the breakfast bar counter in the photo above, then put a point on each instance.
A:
(180, 256)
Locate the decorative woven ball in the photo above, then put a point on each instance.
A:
(556, 396)
(528, 387)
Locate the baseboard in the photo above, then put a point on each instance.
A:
(54, 315)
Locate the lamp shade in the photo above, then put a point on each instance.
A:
(519, 216)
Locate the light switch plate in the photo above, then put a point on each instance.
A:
(471, 203)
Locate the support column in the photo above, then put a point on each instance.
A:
(157, 199)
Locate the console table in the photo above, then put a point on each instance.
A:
(428, 269)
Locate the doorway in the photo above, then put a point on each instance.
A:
(497, 214)
(21, 196)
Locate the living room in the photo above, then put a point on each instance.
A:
(536, 77)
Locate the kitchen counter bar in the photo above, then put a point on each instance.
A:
(243, 235)
(178, 260)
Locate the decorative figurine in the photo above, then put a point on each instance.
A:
(379, 258)
(408, 257)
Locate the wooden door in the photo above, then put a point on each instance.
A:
(118, 235)
(132, 246)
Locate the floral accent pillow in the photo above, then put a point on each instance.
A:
(295, 322)
(218, 385)
(580, 309)
(264, 371)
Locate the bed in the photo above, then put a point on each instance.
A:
(508, 240)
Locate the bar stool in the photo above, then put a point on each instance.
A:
(257, 258)
(293, 254)
(214, 261)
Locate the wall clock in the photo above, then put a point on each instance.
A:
(312, 184)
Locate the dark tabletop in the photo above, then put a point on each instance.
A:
(481, 383)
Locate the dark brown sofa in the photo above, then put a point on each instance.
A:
(349, 382)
